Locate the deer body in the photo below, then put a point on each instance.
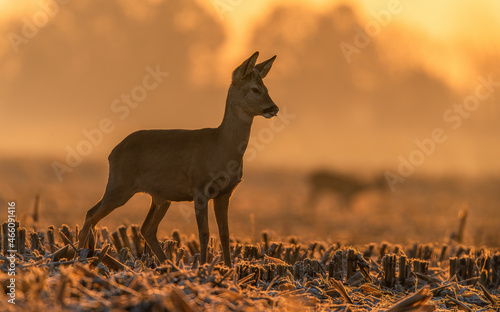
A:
(188, 165)
(174, 174)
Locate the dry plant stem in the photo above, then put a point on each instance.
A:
(51, 239)
(418, 299)
(113, 263)
(20, 241)
(61, 253)
(116, 241)
(123, 234)
(181, 302)
(462, 216)
(94, 295)
(62, 288)
(57, 263)
(487, 295)
(460, 305)
(36, 211)
(101, 256)
(258, 280)
(136, 238)
(67, 232)
(67, 241)
(80, 267)
(340, 288)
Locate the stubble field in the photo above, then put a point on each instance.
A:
(287, 255)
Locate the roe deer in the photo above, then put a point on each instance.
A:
(188, 165)
(346, 187)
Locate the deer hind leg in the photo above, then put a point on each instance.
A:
(112, 199)
(221, 205)
(201, 209)
(149, 228)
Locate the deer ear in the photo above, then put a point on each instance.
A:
(265, 66)
(246, 67)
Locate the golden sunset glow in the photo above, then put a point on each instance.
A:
(284, 155)
(452, 42)
(461, 27)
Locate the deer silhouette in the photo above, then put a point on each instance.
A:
(188, 165)
(345, 186)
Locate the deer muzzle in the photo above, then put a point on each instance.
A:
(271, 111)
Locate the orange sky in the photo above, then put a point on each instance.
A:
(447, 22)
(452, 36)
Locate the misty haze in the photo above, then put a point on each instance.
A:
(387, 130)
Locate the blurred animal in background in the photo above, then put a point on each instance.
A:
(345, 187)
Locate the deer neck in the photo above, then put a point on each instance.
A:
(234, 131)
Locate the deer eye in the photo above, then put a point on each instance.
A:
(255, 90)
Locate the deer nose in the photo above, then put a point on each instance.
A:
(270, 111)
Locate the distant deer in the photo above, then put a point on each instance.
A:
(188, 165)
(345, 186)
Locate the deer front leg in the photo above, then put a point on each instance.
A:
(221, 205)
(201, 209)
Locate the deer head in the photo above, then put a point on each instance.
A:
(248, 95)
